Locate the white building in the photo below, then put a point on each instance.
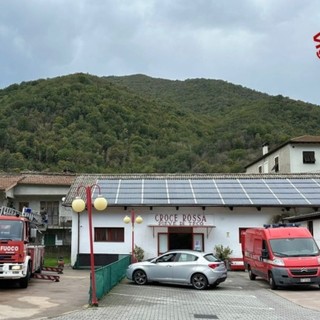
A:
(184, 211)
(42, 192)
(298, 155)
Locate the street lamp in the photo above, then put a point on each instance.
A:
(78, 205)
(133, 220)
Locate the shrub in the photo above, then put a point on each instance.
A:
(222, 253)
(138, 253)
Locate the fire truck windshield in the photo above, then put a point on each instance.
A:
(11, 230)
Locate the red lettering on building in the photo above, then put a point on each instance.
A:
(316, 38)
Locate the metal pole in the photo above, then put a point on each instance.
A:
(132, 233)
(94, 300)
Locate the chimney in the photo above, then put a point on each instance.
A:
(265, 148)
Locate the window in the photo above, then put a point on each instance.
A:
(310, 226)
(50, 209)
(260, 169)
(308, 157)
(276, 164)
(185, 257)
(109, 234)
(167, 257)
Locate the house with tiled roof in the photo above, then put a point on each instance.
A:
(297, 155)
(42, 192)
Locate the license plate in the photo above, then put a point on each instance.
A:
(305, 280)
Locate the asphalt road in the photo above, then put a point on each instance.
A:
(237, 298)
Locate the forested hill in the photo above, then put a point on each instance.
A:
(137, 124)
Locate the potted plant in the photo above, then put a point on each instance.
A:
(223, 253)
(138, 253)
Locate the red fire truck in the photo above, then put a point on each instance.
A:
(20, 257)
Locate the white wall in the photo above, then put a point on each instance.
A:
(297, 165)
(226, 232)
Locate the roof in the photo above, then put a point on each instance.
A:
(303, 217)
(220, 190)
(8, 181)
(306, 139)
(48, 179)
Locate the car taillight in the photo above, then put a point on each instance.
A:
(213, 265)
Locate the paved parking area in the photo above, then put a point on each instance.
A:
(237, 298)
(45, 298)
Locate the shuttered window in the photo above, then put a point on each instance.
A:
(309, 157)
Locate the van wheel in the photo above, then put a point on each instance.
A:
(272, 284)
(252, 276)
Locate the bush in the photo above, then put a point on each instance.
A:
(138, 253)
(222, 253)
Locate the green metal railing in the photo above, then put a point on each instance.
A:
(109, 276)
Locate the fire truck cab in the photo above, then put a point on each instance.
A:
(19, 257)
(282, 254)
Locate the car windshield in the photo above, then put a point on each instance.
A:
(10, 230)
(294, 247)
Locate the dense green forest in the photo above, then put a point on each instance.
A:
(138, 124)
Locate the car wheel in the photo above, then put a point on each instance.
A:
(140, 277)
(272, 284)
(252, 276)
(199, 281)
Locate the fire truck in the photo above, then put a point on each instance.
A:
(20, 257)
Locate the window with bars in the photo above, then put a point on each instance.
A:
(51, 210)
(308, 157)
(109, 234)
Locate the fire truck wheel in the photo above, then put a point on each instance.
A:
(24, 282)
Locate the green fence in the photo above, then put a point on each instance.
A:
(109, 276)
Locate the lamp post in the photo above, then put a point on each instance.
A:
(78, 205)
(133, 220)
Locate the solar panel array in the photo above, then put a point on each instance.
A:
(211, 192)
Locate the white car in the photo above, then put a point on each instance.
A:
(188, 267)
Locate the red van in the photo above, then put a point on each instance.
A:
(282, 254)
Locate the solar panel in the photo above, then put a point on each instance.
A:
(219, 192)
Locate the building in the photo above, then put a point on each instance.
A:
(42, 193)
(297, 155)
(184, 211)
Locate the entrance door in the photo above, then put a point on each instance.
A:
(180, 238)
(180, 241)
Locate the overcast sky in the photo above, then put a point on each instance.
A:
(265, 45)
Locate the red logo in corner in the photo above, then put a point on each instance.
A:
(316, 38)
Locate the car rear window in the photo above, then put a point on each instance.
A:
(210, 257)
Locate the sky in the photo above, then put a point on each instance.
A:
(264, 45)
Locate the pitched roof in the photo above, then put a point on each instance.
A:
(306, 139)
(8, 181)
(220, 190)
(47, 179)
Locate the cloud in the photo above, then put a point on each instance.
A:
(265, 45)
